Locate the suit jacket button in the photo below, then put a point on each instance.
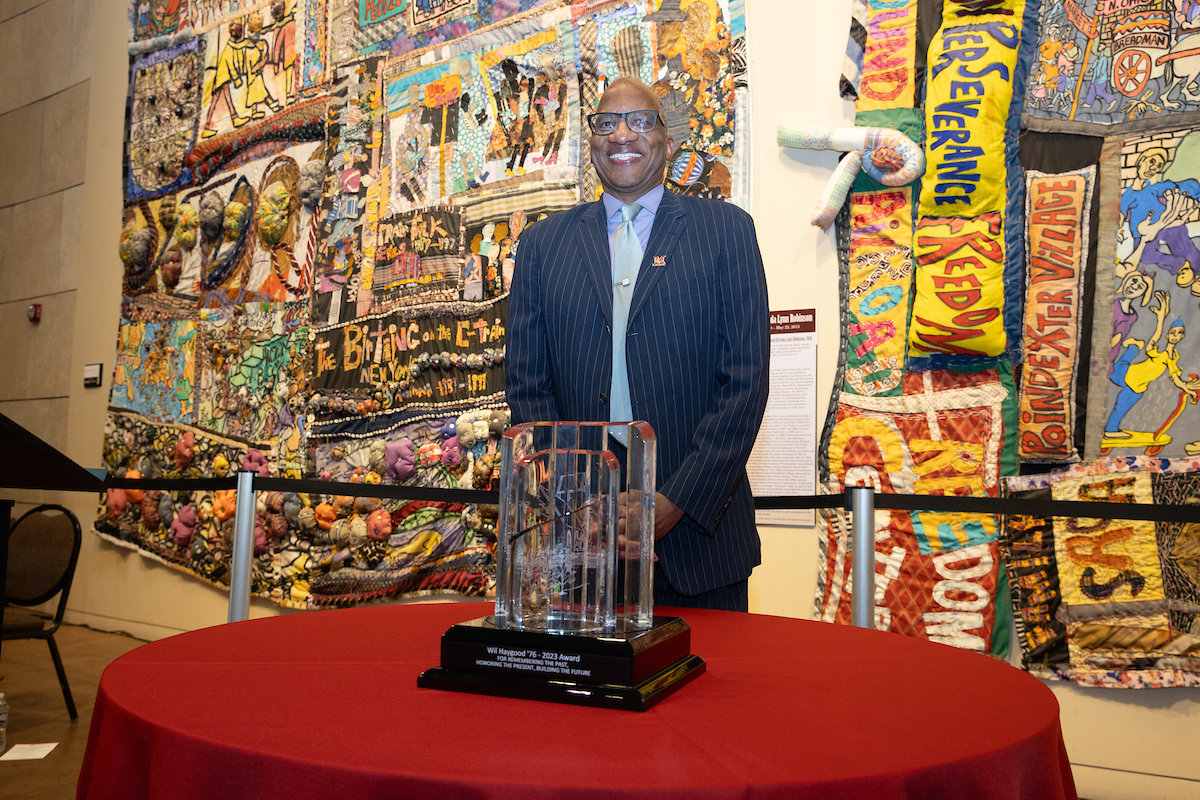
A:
(603, 397)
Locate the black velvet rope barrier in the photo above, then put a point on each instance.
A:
(992, 505)
(424, 493)
(898, 502)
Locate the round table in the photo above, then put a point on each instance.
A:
(326, 704)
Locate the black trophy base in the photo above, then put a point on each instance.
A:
(630, 672)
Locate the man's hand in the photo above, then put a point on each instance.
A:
(666, 517)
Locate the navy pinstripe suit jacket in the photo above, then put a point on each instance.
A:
(697, 341)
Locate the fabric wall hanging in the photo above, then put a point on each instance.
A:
(910, 254)
(966, 304)
(1103, 602)
(323, 202)
(880, 280)
(506, 104)
(1054, 153)
(1116, 67)
(1142, 385)
(155, 373)
(1027, 547)
(1046, 279)
(1057, 222)
(941, 575)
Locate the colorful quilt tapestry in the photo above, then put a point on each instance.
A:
(1006, 270)
(966, 293)
(1057, 217)
(1146, 302)
(1109, 602)
(1027, 547)
(411, 348)
(323, 202)
(1115, 66)
(888, 71)
(354, 139)
(253, 363)
(309, 550)
(932, 278)
(493, 225)
(164, 103)
(880, 281)
(418, 258)
(508, 105)
(937, 576)
(155, 374)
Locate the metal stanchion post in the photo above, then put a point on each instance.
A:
(243, 546)
(862, 557)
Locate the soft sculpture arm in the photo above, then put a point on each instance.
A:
(886, 155)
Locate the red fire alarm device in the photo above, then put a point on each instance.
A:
(34, 312)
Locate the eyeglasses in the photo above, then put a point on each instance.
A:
(607, 122)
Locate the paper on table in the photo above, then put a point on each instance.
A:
(28, 752)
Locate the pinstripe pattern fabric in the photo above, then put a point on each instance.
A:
(697, 344)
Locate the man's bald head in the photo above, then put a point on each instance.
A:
(636, 85)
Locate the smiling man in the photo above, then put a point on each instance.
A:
(645, 305)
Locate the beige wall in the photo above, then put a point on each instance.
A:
(63, 74)
(46, 55)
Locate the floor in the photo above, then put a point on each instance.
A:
(37, 712)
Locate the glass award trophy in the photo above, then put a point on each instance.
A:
(574, 618)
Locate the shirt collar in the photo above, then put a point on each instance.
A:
(649, 202)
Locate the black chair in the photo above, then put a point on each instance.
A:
(43, 548)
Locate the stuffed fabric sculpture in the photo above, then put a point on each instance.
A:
(886, 155)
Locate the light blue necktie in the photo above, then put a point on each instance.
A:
(627, 260)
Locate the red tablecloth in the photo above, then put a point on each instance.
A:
(326, 704)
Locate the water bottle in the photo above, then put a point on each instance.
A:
(3, 722)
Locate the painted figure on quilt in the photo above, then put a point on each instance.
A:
(1099, 92)
(534, 111)
(1134, 376)
(1155, 214)
(1134, 285)
(1109, 62)
(515, 99)
(1156, 275)
(473, 119)
(240, 67)
(282, 56)
(651, 306)
(156, 18)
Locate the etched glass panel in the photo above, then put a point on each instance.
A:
(576, 543)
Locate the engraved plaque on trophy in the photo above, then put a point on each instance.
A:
(574, 618)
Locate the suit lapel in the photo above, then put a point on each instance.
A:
(597, 262)
(668, 226)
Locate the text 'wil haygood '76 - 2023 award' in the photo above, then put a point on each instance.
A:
(574, 619)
